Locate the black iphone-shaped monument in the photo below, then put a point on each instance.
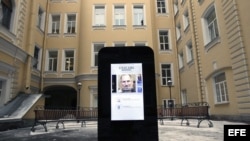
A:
(127, 94)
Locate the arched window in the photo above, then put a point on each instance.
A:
(5, 14)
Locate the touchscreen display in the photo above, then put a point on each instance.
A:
(127, 92)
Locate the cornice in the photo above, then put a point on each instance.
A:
(86, 77)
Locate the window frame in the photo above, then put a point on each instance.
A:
(74, 25)
(165, 103)
(48, 61)
(120, 14)
(189, 52)
(51, 23)
(184, 100)
(181, 59)
(208, 40)
(165, 79)
(37, 58)
(6, 19)
(55, 25)
(223, 88)
(140, 43)
(64, 60)
(168, 48)
(135, 14)
(103, 13)
(176, 7)
(119, 44)
(41, 18)
(159, 9)
(186, 21)
(178, 31)
(95, 53)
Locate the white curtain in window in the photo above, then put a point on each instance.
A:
(138, 15)
(99, 15)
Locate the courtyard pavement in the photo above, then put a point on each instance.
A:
(170, 131)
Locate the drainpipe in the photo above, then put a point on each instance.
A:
(43, 49)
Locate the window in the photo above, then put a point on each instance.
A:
(189, 52)
(68, 60)
(41, 19)
(181, 60)
(37, 58)
(5, 13)
(138, 15)
(178, 31)
(176, 9)
(52, 61)
(210, 27)
(97, 47)
(184, 97)
(166, 74)
(185, 20)
(119, 15)
(54, 27)
(161, 6)
(55, 0)
(164, 40)
(71, 24)
(140, 44)
(99, 16)
(168, 102)
(119, 44)
(221, 88)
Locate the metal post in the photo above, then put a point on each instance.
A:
(171, 102)
(79, 86)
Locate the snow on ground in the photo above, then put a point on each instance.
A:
(170, 131)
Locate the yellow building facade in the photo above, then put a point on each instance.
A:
(51, 47)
